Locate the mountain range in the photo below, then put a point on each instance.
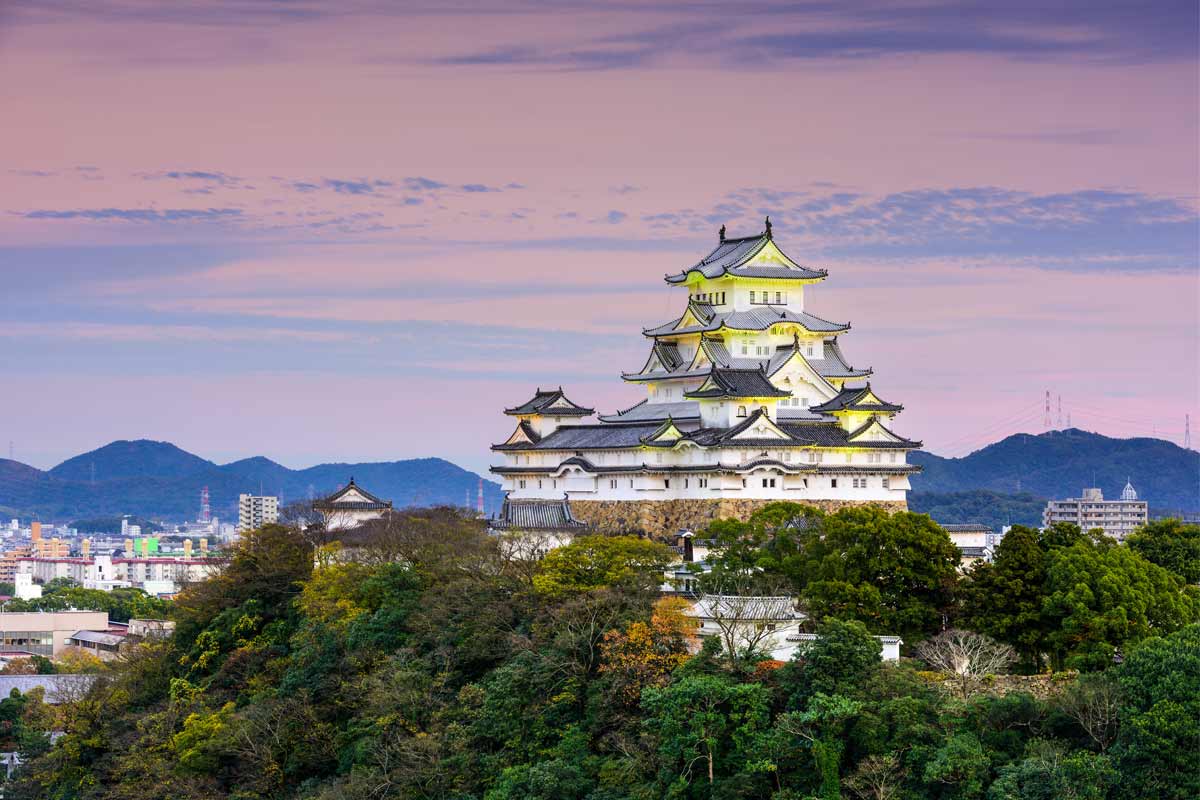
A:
(1007, 481)
(162, 481)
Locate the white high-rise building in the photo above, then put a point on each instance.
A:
(748, 398)
(254, 511)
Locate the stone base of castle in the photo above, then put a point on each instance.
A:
(661, 519)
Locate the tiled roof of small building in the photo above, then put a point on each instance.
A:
(332, 502)
(535, 515)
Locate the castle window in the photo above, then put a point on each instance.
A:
(892, 457)
(539, 484)
(741, 411)
(685, 483)
(612, 484)
(886, 483)
(752, 297)
(833, 483)
(521, 484)
(666, 483)
(779, 297)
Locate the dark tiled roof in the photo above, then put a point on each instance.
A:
(848, 398)
(645, 411)
(833, 364)
(737, 383)
(530, 434)
(535, 515)
(966, 527)
(331, 502)
(731, 255)
(754, 319)
(540, 402)
(901, 441)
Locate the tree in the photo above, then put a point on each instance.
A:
(1093, 701)
(877, 778)
(1171, 544)
(1004, 599)
(821, 725)
(896, 573)
(1051, 772)
(1107, 597)
(839, 661)
(596, 562)
(1155, 748)
(702, 719)
(965, 656)
(645, 654)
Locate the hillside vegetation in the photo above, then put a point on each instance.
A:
(434, 662)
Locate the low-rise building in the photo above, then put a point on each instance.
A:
(973, 540)
(46, 633)
(1116, 518)
(769, 625)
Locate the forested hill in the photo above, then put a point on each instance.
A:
(1059, 464)
(160, 480)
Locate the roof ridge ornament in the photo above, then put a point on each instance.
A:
(721, 234)
(768, 232)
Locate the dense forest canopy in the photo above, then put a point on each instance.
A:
(431, 660)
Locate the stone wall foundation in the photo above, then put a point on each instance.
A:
(661, 519)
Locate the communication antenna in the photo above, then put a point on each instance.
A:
(1046, 418)
(1060, 411)
(205, 510)
(479, 501)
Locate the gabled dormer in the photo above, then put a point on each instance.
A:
(873, 431)
(854, 406)
(548, 410)
(667, 434)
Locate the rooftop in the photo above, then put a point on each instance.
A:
(733, 257)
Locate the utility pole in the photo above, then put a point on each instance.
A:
(1187, 431)
(1060, 411)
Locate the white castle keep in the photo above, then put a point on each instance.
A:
(748, 397)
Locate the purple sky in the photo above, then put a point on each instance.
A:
(357, 231)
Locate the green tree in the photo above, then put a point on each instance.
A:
(1156, 745)
(842, 659)
(821, 725)
(896, 573)
(1107, 597)
(1049, 771)
(1004, 599)
(1171, 544)
(597, 562)
(703, 720)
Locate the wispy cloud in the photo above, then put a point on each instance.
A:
(137, 214)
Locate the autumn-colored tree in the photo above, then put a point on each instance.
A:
(645, 654)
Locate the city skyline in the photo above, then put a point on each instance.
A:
(357, 236)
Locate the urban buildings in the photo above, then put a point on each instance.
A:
(749, 400)
(154, 575)
(254, 511)
(1117, 518)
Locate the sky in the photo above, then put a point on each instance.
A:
(357, 231)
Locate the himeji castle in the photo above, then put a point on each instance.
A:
(749, 400)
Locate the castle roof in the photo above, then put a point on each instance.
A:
(351, 497)
(859, 398)
(733, 257)
(736, 383)
(831, 365)
(551, 402)
(754, 319)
